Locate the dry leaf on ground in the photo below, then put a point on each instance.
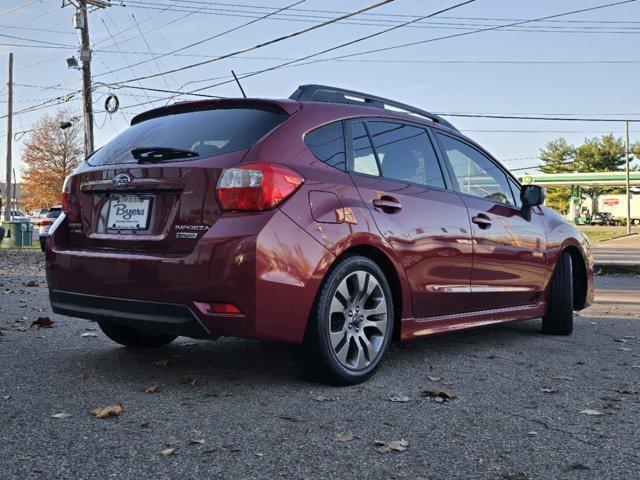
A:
(399, 398)
(31, 283)
(167, 452)
(61, 415)
(42, 322)
(391, 446)
(106, 412)
(439, 395)
(151, 389)
(344, 436)
(594, 413)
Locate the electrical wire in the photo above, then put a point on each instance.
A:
(264, 44)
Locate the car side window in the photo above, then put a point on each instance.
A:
(364, 160)
(405, 153)
(327, 145)
(515, 188)
(474, 173)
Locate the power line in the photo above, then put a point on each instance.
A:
(524, 117)
(312, 18)
(217, 35)
(572, 12)
(264, 44)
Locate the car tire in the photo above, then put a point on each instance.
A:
(559, 317)
(350, 326)
(129, 337)
(43, 244)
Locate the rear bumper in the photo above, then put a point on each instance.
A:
(258, 263)
(159, 317)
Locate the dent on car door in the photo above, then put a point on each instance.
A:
(509, 251)
(400, 180)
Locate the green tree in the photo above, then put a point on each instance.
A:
(604, 154)
(558, 157)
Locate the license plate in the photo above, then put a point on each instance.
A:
(129, 212)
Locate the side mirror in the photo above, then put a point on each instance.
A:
(532, 195)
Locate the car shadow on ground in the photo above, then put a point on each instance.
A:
(228, 362)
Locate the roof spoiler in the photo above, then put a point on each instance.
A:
(323, 93)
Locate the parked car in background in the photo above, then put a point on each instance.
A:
(18, 216)
(37, 215)
(603, 218)
(45, 224)
(334, 221)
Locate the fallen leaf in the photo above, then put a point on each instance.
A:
(89, 334)
(82, 376)
(61, 415)
(594, 413)
(106, 412)
(399, 398)
(160, 363)
(151, 389)
(532, 433)
(31, 283)
(439, 396)
(41, 322)
(391, 446)
(167, 452)
(344, 436)
(196, 441)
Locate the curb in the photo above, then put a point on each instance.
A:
(619, 236)
(608, 268)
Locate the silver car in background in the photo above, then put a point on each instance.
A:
(45, 224)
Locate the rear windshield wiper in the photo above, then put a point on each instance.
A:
(153, 154)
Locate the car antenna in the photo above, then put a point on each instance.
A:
(239, 84)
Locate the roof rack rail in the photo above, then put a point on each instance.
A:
(324, 93)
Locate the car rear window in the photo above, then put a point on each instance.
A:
(206, 132)
(53, 213)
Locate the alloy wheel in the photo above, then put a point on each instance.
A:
(358, 320)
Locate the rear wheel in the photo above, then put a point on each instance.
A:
(351, 324)
(131, 338)
(559, 317)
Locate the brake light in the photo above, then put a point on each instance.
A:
(255, 187)
(70, 197)
(44, 223)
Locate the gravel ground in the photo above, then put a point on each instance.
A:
(239, 409)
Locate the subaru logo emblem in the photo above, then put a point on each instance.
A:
(121, 180)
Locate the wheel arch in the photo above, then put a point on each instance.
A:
(579, 276)
(390, 271)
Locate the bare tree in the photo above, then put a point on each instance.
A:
(50, 155)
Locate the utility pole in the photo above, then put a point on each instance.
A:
(626, 154)
(7, 194)
(85, 56)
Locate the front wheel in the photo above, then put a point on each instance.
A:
(559, 317)
(131, 338)
(351, 324)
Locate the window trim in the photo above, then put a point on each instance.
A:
(350, 159)
(507, 174)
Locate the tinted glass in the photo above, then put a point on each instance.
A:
(364, 161)
(327, 144)
(53, 213)
(405, 153)
(515, 188)
(474, 173)
(208, 132)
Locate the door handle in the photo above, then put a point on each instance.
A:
(482, 220)
(387, 204)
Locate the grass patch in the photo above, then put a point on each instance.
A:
(598, 234)
(34, 245)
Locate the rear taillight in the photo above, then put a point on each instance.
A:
(70, 197)
(44, 223)
(258, 186)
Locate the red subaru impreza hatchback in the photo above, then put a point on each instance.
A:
(334, 220)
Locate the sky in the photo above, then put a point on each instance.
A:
(580, 65)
